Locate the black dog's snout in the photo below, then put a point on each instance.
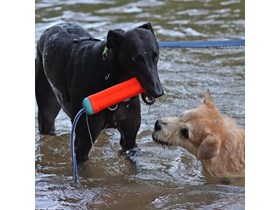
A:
(158, 124)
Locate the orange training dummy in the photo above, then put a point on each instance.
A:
(111, 96)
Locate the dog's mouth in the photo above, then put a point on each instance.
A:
(150, 94)
(152, 86)
(162, 143)
(148, 99)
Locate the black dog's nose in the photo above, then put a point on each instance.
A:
(158, 124)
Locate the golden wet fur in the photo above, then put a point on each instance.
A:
(215, 139)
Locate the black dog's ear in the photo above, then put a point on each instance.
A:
(147, 26)
(114, 38)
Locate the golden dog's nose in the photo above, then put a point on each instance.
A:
(158, 124)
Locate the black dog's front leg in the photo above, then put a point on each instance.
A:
(127, 120)
(128, 136)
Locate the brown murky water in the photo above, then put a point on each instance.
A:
(156, 178)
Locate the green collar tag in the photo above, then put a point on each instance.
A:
(105, 53)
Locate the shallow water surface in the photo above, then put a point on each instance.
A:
(156, 178)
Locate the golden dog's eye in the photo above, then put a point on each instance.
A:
(185, 133)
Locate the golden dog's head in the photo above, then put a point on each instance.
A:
(215, 139)
(199, 130)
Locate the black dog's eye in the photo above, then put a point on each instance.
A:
(136, 58)
(185, 133)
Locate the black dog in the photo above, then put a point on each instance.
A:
(71, 64)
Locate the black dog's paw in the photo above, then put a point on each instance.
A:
(81, 159)
(130, 152)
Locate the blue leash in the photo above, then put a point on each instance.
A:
(202, 44)
(74, 161)
(199, 44)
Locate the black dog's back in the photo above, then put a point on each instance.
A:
(64, 32)
(58, 38)
(65, 52)
(50, 65)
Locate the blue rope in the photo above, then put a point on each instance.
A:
(74, 161)
(203, 44)
(199, 44)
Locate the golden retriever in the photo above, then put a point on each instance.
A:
(215, 139)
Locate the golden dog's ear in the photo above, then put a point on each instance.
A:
(209, 148)
(208, 99)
